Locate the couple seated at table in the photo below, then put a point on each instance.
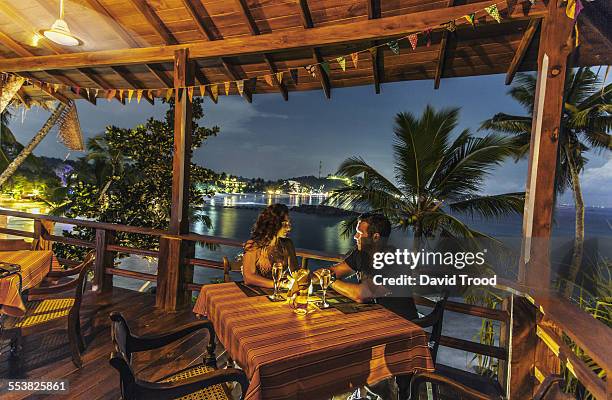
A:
(269, 244)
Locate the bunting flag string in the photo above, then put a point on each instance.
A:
(414, 40)
(573, 9)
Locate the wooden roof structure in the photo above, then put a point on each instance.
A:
(131, 43)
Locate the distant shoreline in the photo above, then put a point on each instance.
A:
(321, 210)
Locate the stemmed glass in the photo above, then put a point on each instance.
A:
(325, 281)
(277, 275)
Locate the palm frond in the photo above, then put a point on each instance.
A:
(506, 123)
(450, 226)
(523, 91)
(356, 166)
(493, 206)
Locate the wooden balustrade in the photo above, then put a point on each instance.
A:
(526, 327)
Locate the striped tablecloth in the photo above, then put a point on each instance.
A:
(287, 356)
(34, 267)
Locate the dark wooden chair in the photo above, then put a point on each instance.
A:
(55, 298)
(434, 320)
(230, 266)
(201, 381)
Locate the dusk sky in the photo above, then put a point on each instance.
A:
(274, 139)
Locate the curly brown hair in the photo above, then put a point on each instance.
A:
(268, 223)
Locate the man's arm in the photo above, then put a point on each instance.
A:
(341, 270)
(359, 292)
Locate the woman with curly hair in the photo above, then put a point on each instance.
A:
(268, 244)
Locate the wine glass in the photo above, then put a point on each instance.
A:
(277, 275)
(325, 280)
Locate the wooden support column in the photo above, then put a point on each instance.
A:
(522, 349)
(173, 273)
(103, 282)
(556, 43)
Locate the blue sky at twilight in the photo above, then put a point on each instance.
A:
(275, 139)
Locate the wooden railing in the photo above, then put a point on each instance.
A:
(533, 336)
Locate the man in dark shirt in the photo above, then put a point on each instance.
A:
(371, 237)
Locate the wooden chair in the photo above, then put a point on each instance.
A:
(55, 298)
(201, 381)
(230, 266)
(434, 320)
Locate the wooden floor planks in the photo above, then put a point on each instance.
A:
(46, 354)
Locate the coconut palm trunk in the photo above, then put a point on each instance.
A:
(579, 234)
(40, 135)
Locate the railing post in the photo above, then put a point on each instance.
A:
(304, 262)
(42, 228)
(103, 282)
(173, 273)
(523, 349)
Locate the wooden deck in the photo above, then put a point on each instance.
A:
(46, 355)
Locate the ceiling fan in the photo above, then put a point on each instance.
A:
(59, 32)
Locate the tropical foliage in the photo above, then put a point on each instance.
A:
(126, 176)
(585, 125)
(438, 177)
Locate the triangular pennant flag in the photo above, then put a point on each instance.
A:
(202, 90)
(394, 46)
(471, 18)
(169, 94)
(494, 12)
(427, 33)
(179, 93)
(268, 79)
(573, 8)
(97, 91)
(87, 91)
(130, 94)
(355, 58)
(240, 85)
(110, 94)
(190, 93)
(138, 95)
(342, 63)
(121, 94)
(279, 77)
(150, 94)
(414, 39)
(49, 88)
(325, 66)
(77, 90)
(294, 75)
(214, 92)
(56, 87)
(450, 26)
(577, 34)
(227, 87)
(312, 70)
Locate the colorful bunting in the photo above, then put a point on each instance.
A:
(169, 94)
(110, 94)
(355, 58)
(130, 94)
(202, 90)
(227, 87)
(87, 91)
(471, 18)
(279, 77)
(312, 70)
(268, 79)
(573, 8)
(150, 94)
(97, 91)
(121, 94)
(294, 75)
(342, 63)
(414, 39)
(373, 51)
(214, 92)
(394, 46)
(56, 87)
(427, 33)
(494, 12)
(240, 85)
(138, 95)
(577, 34)
(450, 26)
(77, 90)
(190, 93)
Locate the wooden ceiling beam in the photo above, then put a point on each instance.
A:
(153, 19)
(248, 17)
(23, 97)
(442, 54)
(160, 75)
(235, 76)
(69, 82)
(378, 61)
(283, 40)
(373, 9)
(321, 73)
(522, 49)
(57, 96)
(112, 23)
(14, 46)
(279, 84)
(305, 14)
(126, 76)
(197, 18)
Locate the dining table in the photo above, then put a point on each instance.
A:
(314, 356)
(34, 267)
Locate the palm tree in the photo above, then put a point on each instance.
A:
(585, 123)
(434, 174)
(108, 163)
